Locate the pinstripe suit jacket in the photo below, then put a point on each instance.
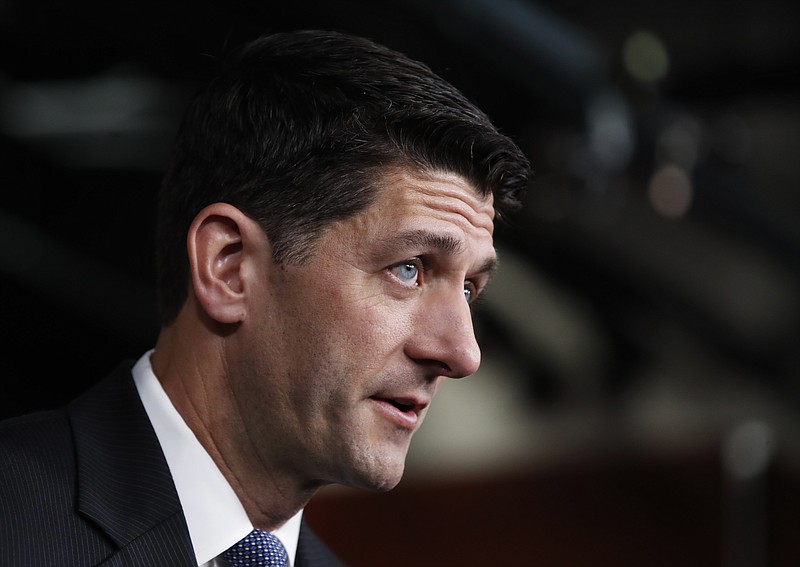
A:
(88, 485)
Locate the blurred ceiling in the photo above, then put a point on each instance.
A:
(664, 138)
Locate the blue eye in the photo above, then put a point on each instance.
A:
(470, 292)
(406, 272)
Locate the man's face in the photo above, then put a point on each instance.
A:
(344, 353)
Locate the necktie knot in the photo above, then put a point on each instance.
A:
(257, 549)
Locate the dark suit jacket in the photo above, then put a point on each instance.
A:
(89, 485)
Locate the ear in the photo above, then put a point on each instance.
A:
(220, 242)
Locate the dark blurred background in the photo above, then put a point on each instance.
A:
(639, 402)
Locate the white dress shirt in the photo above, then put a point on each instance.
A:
(214, 515)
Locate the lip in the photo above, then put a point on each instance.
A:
(403, 411)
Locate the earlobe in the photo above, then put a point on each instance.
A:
(217, 251)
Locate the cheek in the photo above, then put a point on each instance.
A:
(380, 329)
(360, 350)
(341, 324)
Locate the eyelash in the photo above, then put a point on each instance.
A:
(421, 268)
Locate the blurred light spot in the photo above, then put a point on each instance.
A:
(748, 449)
(610, 131)
(670, 191)
(645, 57)
(123, 118)
(103, 104)
(680, 143)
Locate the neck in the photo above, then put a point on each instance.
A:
(192, 370)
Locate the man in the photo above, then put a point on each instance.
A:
(324, 224)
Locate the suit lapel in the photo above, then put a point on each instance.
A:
(124, 483)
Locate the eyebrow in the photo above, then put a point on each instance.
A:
(427, 240)
(430, 240)
(489, 267)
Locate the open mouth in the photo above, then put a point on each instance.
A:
(402, 406)
(403, 412)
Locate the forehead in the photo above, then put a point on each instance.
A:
(416, 213)
(406, 194)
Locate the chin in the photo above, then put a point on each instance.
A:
(378, 473)
(378, 485)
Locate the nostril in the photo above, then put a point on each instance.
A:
(437, 367)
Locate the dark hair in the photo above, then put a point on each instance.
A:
(298, 130)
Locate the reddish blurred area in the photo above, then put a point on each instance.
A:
(614, 513)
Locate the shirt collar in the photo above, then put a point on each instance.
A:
(214, 515)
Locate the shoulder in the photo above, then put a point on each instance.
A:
(37, 463)
(34, 448)
(44, 484)
(37, 486)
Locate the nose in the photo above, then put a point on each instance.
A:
(444, 337)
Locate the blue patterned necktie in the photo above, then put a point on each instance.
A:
(257, 549)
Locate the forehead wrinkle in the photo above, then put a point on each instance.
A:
(477, 213)
(448, 191)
